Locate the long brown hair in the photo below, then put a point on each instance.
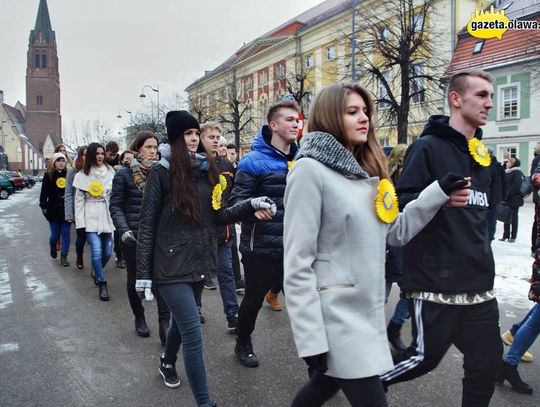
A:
(326, 115)
(90, 160)
(79, 161)
(183, 191)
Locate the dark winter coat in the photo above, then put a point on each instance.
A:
(171, 248)
(52, 196)
(452, 254)
(126, 200)
(534, 165)
(513, 182)
(262, 172)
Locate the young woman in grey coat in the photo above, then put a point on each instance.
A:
(340, 211)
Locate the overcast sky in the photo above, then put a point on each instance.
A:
(109, 49)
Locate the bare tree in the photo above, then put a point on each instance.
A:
(396, 53)
(198, 106)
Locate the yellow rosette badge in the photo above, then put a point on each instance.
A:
(61, 182)
(386, 202)
(217, 192)
(290, 164)
(479, 152)
(222, 182)
(95, 188)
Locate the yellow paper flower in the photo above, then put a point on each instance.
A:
(61, 182)
(479, 152)
(222, 182)
(386, 202)
(95, 188)
(290, 164)
(216, 197)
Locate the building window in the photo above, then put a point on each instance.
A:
(384, 142)
(418, 83)
(418, 22)
(263, 109)
(280, 71)
(478, 47)
(306, 101)
(309, 61)
(509, 102)
(331, 53)
(39, 100)
(263, 77)
(382, 94)
(248, 83)
(383, 33)
(40, 60)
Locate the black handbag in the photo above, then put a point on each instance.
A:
(504, 213)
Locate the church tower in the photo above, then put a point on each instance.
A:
(43, 120)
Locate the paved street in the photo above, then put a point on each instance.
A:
(61, 346)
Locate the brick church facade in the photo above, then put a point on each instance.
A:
(43, 119)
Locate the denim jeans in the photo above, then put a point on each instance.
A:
(60, 229)
(227, 284)
(525, 336)
(100, 252)
(401, 313)
(517, 325)
(186, 328)
(81, 241)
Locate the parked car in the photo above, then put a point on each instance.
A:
(6, 187)
(15, 178)
(29, 181)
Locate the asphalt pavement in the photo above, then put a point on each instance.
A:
(61, 346)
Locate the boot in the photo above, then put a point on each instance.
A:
(53, 251)
(272, 299)
(140, 326)
(79, 262)
(163, 327)
(509, 372)
(63, 260)
(393, 331)
(103, 292)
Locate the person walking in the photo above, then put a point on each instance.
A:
(93, 190)
(513, 198)
(263, 171)
(448, 268)
(125, 207)
(51, 202)
(177, 245)
(340, 210)
(70, 206)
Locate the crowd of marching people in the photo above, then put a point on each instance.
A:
(328, 220)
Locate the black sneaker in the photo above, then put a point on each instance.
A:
(168, 372)
(240, 287)
(209, 284)
(120, 263)
(244, 351)
(232, 324)
(201, 316)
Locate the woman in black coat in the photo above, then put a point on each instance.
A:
(125, 208)
(51, 202)
(513, 198)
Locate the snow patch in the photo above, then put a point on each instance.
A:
(9, 347)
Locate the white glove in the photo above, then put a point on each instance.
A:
(144, 289)
(263, 202)
(128, 238)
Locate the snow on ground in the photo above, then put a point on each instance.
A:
(10, 223)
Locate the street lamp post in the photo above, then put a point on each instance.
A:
(142, 95)
(119, 116)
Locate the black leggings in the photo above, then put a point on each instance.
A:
(366, 392)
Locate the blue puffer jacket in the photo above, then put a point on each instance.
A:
(262, 172)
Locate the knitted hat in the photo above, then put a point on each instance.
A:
(56, 156)
(177, 122)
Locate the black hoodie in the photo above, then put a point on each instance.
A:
(452, 254)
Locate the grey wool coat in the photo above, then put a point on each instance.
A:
(334, 254)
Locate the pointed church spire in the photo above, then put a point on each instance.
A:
(43, 24)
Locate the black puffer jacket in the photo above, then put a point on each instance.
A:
(170, 247)
(126, 200)
(52, 196)
(262, 172)
(513, 181)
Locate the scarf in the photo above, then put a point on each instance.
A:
(325, 148)
(103, 174)
(139, 168)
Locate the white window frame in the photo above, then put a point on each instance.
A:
(502, 148)
(418, 21)
(384, 141)
(280, 71)
(384, 33)
(500, 110)
(331, 53)
(248, 83)
(419, 83)
(309, 61)
(263, 77)
(382, 93)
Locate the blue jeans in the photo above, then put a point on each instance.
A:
(227, 283)
(60, 229)
(186, 328)
(401, 313)
(81, 241)
(100, 252)
(524, 337)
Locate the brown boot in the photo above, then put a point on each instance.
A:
(79, 262)
(272, 299)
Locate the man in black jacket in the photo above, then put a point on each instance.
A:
(210, 137)
(448, 267)
(263, 171)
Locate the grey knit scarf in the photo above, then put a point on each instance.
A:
(325, 148)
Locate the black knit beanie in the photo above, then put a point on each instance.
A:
(177, 122)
